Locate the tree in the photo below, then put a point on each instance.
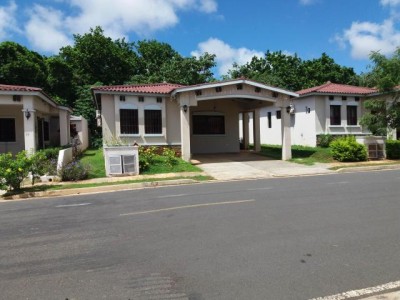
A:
(384, 112)
(20, 66)
(293, 73)
(159, 62)
(97, 58)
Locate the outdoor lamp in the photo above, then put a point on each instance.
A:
(185, 108)
(27, 114)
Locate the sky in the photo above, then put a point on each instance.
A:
(347, 30)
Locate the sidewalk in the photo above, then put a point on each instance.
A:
(387, 296)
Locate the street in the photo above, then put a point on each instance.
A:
(286, 238)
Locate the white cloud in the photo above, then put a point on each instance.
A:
(7, 19)
(51, 29)
(390, 2)
(225, 54)
(307, 2)
(45, 29)
(364, 37)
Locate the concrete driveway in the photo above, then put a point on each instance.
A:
(248, 165)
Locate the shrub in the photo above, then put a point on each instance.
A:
(43, 162)
(324, 140)
(147, 157)
(170, 157)
(74, 171)
(13, 170)
(347, 149)
(393, 149)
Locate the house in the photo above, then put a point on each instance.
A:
(199, 119)
(330, 108)
(31, 120)
(79, 129)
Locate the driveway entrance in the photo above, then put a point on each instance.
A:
(250, 165)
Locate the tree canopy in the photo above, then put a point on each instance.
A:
(291, 72)
(384, 113)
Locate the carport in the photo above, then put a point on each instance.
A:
(209, 115)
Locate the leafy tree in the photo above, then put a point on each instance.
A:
(20, 66)
(293, 73)
(384, 113)
(159, 62)
(97, 58)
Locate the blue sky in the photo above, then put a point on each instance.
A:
(347, 30)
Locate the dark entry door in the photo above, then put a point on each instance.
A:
(40, 133)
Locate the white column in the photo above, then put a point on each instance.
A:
(64, 127)
(286, 133)
(257, 134)
(246, 133)
(185, 132)
(29, 117)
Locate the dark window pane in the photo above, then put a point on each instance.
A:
(7, 130)
(129, 121)
(278, 114)
(152, 121)
(208, 124)
(335, 115)
(46, 132)
(269, 120)
(352, 115)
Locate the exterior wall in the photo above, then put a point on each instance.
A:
(226, 143)
(13, 111)
(273, 135)
(303, 123)
(320, 114)
(111, 105)
(82, 130)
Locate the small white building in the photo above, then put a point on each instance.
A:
(30, 120)
(331, 108)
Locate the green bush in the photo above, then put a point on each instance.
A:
(147, 156)
(347, 149)
(324, 140)
(13, 170)
(393, 149)
(74, 171)
(170, 157)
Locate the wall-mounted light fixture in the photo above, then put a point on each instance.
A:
(27, 114)
(290, 109)
(308, 110)
(185, 108)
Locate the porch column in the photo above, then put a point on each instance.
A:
(246, 133)
(64, 127)
(257, 131)
(29, 116)
(185, 132)
(286, 132)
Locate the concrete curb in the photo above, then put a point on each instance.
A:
(99, 189)
(368, 168)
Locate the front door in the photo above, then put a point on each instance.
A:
(40, 133)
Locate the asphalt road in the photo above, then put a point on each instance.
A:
(288, 238)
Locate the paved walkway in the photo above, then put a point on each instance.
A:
(247, 165)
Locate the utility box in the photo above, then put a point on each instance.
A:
(121, 160)
(375, 146)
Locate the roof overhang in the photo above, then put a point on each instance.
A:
(233, 82)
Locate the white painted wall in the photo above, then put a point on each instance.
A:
(303, 122)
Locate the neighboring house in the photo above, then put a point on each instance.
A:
(80, 132)
(330, 108)
(199, 119)
(31, 120)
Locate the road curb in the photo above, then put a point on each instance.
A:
(98, 189)
(368, 168)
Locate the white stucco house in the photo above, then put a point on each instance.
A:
(199, 119)
(330, 108)
(31, 120)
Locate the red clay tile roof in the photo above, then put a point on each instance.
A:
(19, 88)
(157, 88)
(334, 88)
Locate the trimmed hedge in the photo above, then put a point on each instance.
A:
(347, 149)
(393, 149)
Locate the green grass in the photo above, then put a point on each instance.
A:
(94, 158)
(300, 154)
(160, 166)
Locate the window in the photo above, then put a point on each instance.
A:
(198, 93)
(351, 115)
(239, 86)
(218, 89)
(141, 99)
(331, 97)
(7, 130)
(275, 94)
(208, 124)
(278, 114)
(357, 98)
(269, 120)
(152, 121)
(344, 98)
(122, 98)
(335, 115)
(159, 100)
(17, 98)
(129, 121)
(257, 89)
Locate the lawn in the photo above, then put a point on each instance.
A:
(300, 154)
(94, 158)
